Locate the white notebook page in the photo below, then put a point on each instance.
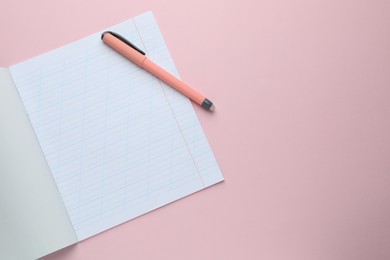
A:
(118, 141)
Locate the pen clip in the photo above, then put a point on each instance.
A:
(121, 38)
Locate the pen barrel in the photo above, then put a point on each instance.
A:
(172, 81)
(123, 49)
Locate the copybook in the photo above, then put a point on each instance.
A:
(88, 140)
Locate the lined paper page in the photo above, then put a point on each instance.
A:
(118, 141)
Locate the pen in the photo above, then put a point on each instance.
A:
(130, 51)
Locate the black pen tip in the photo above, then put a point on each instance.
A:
(208, 105)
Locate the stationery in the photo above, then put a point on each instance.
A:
(133, 53)
(90, 140)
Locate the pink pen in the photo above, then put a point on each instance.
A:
(130, 51)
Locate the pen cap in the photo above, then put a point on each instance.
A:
(123, 48)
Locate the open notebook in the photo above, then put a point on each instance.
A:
(89, 140)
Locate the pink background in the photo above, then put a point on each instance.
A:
(301, 130)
